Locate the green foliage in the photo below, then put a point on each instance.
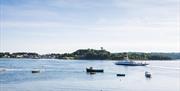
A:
(92, 54)
(117, 56)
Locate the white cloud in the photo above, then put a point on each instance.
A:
(120, 25)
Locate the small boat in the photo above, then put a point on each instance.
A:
(147, 74)
(35, 71)
(127, 62)
(120, 75)
(94, 70)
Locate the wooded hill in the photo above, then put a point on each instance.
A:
(92, 54)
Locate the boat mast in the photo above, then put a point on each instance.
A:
(126, 56)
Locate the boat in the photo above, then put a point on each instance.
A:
(127, 62)
(94, 70)
(147, 74)
(35, 71)
(120, 75)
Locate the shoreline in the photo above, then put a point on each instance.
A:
(93, 54)
(87, 59)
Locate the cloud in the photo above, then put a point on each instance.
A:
(114, 24)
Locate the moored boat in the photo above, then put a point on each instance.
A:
(120, 75)
(35, 71)
(94, 70)
(147, 74)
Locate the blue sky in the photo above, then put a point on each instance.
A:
(58, 26)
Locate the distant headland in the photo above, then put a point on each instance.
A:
(93, 54)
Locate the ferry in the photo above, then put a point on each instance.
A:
(127, 62)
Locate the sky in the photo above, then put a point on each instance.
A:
(60, 26)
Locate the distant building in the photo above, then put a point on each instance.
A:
(102, 48)
(19, 56)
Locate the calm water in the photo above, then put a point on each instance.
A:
(70, 75)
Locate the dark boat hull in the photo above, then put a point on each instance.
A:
(35, 71)
(148, 75)
(120, 74)
(137, 64)
(94, 70)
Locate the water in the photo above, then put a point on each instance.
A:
(70, 75)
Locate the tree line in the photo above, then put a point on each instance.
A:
(92, 54)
